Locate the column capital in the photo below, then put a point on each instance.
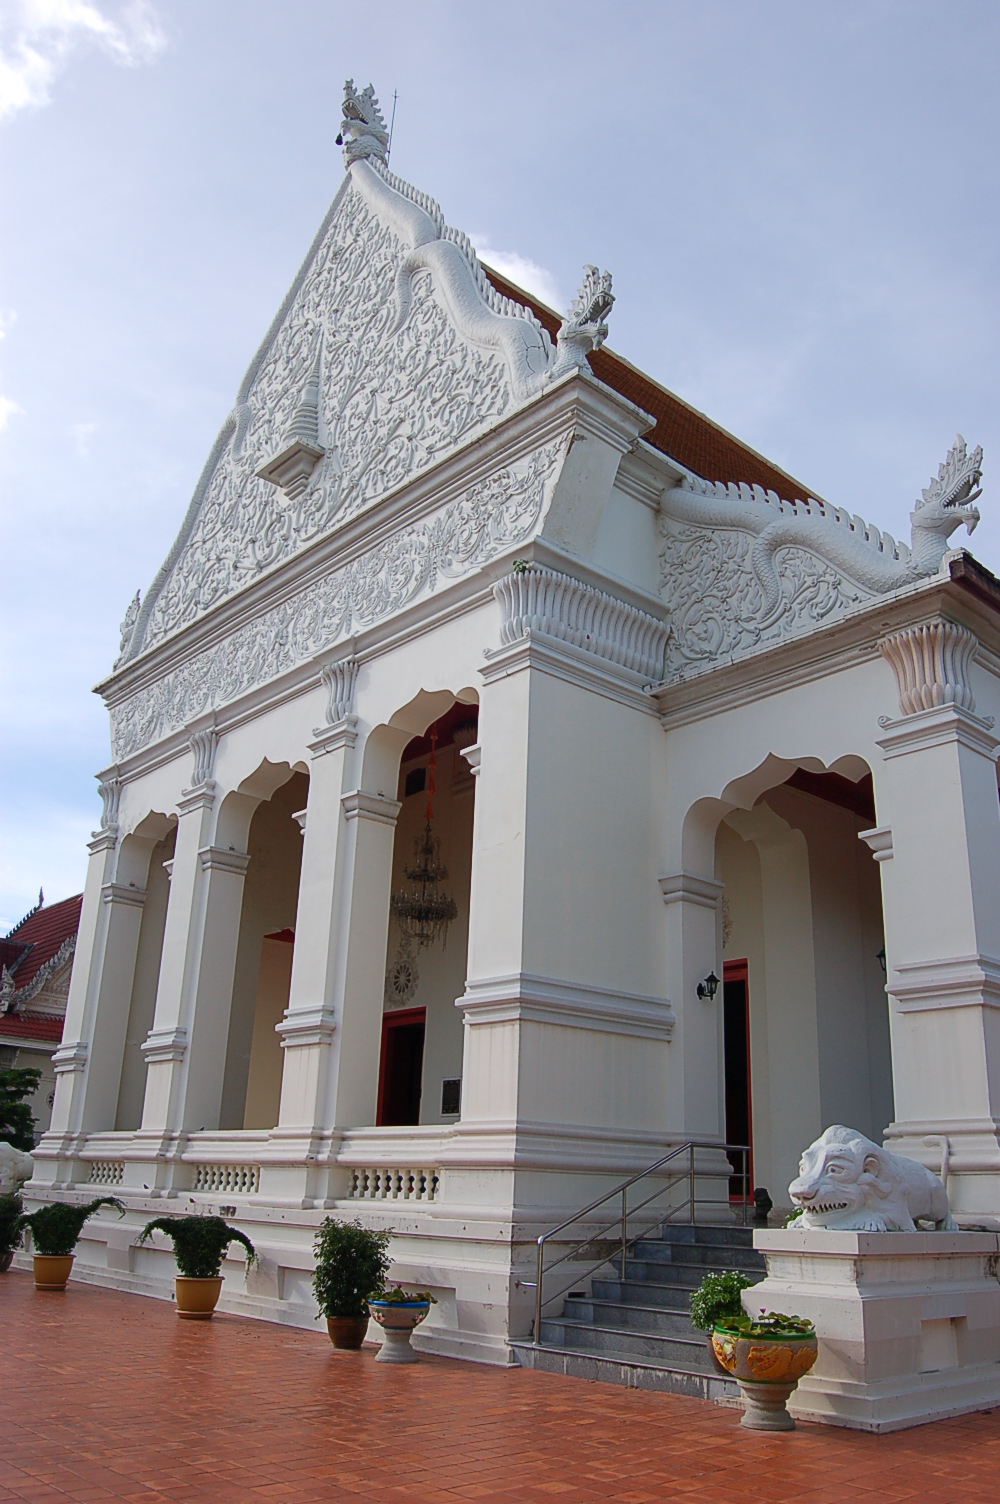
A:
(359, 805)
(936, 728)
(124, 893)
(686, 887)
(203, 797)
(164, 1044)
(343, 733)
(223, 859)
(104, 840)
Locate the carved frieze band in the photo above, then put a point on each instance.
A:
(493, 515)
(931, 663)
(541, 601)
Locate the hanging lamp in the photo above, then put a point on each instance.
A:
(423, 912)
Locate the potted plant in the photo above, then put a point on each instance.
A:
(55, 1230)
(767, 1355)
(398, 1312)
(351, 1264)
(717, 1305)
(200, 1245)
(11, 1212)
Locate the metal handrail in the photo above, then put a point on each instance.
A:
(621, 1218)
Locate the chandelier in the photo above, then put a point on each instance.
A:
(423, 912)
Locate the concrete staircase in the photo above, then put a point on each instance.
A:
(636, 1330)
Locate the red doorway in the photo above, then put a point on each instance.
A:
(736, 1051)
(400, 1068)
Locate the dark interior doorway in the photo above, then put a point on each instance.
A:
(736, 1047)
(400, 1068)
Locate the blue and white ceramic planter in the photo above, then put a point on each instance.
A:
(398, 1318)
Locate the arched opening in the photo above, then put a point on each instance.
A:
(251, 1088)
(156, 836)
(420, 1064)
(805, 1023)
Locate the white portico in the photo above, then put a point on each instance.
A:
(672, 717)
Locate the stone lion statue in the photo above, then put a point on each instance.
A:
(15, 1168)
(849, 1184)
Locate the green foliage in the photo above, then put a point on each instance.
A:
(794, 1216)
(398, 1296)
(351, 1266)
(717, 1299)
(11, 1212)
(55, 1228)
(200, 1243)
(776, 1324)
(17, 1125)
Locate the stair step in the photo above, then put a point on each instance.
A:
(625, 1368)
(630, 1315)
(666, 1351)
(634, 1292)
(697, 1255)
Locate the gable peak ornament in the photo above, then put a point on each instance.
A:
(291, 468)
(363, 132)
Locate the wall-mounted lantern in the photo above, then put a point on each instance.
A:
(709, 987)
(880, 958)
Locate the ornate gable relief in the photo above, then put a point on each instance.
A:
(497, 513)
(740, 567)
(391, 349)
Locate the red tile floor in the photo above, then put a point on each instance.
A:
(109, 1396)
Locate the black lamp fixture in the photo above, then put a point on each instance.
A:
(880, 958)
(709, 987)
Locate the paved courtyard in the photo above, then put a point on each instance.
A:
(109, 1396)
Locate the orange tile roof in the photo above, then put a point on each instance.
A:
(44, 931)
(45, 1027)
(681, 431)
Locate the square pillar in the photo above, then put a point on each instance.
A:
(939, 855)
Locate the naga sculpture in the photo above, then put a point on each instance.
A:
(846, 1183)
(362, 131)
(855, 548)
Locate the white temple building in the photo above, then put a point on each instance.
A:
(668, 717)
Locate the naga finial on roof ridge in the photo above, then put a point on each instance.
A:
(363, 132)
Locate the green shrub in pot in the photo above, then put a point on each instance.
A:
(352, 1262)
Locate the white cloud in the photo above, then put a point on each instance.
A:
(8, 409)
(520, 269)
(38, 36)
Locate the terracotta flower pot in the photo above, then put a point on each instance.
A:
(398, 1318)
(347, 1332)
(196, 1298)
(6, 1259)
(52, 1270)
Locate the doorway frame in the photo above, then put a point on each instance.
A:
(393, 1020)
(739, 971)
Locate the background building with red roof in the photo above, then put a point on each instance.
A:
(36, 961)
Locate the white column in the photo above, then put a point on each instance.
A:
(308, 1026)
(88, 1062)
(938, 844)
(186, 1048)
(691, 953)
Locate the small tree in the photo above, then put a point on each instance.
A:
(56, 1228)
(11, 1212)
(17, 1124)
(200, 1243)
(351, 1265)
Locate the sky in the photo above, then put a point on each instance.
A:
(798, 203)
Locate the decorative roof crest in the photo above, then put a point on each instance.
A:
(363, 133)
(584, 328)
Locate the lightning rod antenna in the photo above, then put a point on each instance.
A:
(392, 122)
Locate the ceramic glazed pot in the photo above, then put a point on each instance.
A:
(52, 1270)
(6, 1259)
(196, 1298)
(347, 1332)
(397, 1318)
(767, 1370)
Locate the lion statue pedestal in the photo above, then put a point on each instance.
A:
(907, 1316)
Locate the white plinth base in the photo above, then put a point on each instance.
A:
(908, 1323)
